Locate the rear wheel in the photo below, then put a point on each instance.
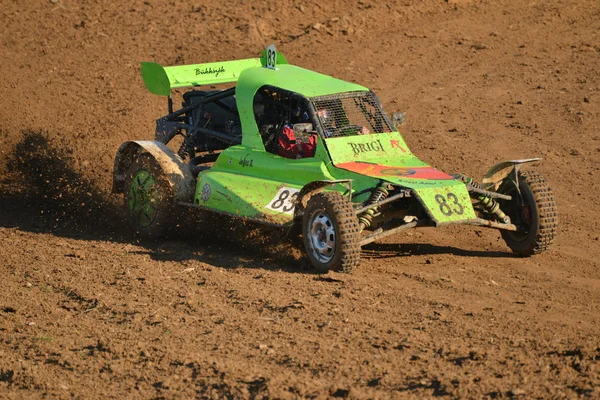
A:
(533, 211)
(331, 233)
(148, 197)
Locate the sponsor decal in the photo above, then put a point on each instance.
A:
(244, 162)
(398, 171)
(206, 192)
(210, 71)
(358, 148)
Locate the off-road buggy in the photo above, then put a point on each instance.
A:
(350, 180)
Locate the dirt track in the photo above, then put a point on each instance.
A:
(87, 312)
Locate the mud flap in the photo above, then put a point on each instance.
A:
(448, 204)
(179, 175)
(499, 172)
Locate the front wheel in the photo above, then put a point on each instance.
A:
(148, 197)
(331, 233)
(533, 211)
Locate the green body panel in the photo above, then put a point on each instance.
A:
(227, 193)
(256, 184)
(249, 182)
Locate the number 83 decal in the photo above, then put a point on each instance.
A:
(284, 201)
(449, 205)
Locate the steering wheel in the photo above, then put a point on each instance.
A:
(344, 129)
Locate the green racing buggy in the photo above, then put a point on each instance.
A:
(345, 179)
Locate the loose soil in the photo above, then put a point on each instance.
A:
(224, 309)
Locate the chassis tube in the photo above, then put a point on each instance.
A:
(490, 194)
(207, 99)
(225, 138)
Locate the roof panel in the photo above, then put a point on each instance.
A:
(296, 79)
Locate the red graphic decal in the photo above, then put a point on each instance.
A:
(428, 173)
(396, 143)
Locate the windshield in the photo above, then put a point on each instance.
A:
(350, 114)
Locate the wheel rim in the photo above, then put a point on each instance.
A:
(520, 214)
(143, 197)
(322, 236)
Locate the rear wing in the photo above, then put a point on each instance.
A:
(161, 80)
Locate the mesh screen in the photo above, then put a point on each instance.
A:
(349, 114)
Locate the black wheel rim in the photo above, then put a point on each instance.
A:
(520, 213)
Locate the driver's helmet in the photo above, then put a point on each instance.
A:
(324, 116)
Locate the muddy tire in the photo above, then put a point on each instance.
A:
(534, 212)
(148, 197)
(331, 233)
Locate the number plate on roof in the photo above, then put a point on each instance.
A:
(271, 57)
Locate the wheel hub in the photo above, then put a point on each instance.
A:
(143, 196)
(526, 214)
(322, 236)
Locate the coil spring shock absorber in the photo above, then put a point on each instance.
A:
(484, 202)
(379, 194)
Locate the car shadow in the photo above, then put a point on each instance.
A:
(389, 250)
(229, 243)
(248, 247)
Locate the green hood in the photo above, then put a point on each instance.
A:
(384, 156)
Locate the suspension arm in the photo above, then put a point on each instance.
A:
(380, 233)
(491, 224)
(388, 200)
